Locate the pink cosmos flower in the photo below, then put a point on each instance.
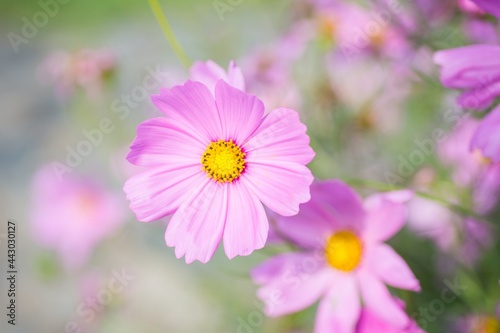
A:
(71, 216)
(84, 69)
(343, 258)
(370, 322)
(487, 136)
(212, 163)
(475, 69)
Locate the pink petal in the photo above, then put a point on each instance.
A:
(196, 227)
(491, 6)
(280, 186)
(384, 218)
(158, 192)
(487, 136)
(235, 76)
(246, 226)
(193, 105)
(461, 68)
(343, 204)
(291, 282)
(391, 268)
(207, 73)
(315, 221)
(240, 113)
(160, 141)
(281, 137)
(339, 311)
(377, 298)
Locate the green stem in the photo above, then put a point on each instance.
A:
(385, 188)
(168, 33)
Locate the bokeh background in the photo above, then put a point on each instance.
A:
(364, 111)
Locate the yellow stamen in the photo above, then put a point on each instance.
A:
(344, 250)
(223, 161)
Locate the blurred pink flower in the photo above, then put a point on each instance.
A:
(431, 220)
(471, 169)
(486, 139)
(343, 258)
(370, 322)
(481, 31)
(269, 70)
(85, 69)
(475, 69)
(358, 31)
(72, 215)
(212, 162)
(373, 92)
(455, 152)
(477, 323)
(466, 238)
(209, 73)
(490, 6)
(436, 12)
(470, 7)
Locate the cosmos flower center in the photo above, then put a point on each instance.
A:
(488, 325)
(343, 251)
(480, 158)
(223, 161)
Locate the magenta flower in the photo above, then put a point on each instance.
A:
(486, 139)
(370, 322)
(212, 162)
(343, 258)
(71, 216)
(475, 69)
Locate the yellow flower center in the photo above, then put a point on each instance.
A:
(483, 160)
(343, 251)
(223, 161)
(488, 325)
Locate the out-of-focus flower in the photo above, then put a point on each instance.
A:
(455, 152)
(269, 70)
(465, 238)
(212, 162)
(357, 31)
(470, 7)
(72, 215)
(477, 323)
(373, 92)
(481, 31)
(431, 220)
(209, 73)
(487, 136)
(475, 69)
(86, 69)
(490, 6)
(343, 258)
(436, 12)
(370, 322)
